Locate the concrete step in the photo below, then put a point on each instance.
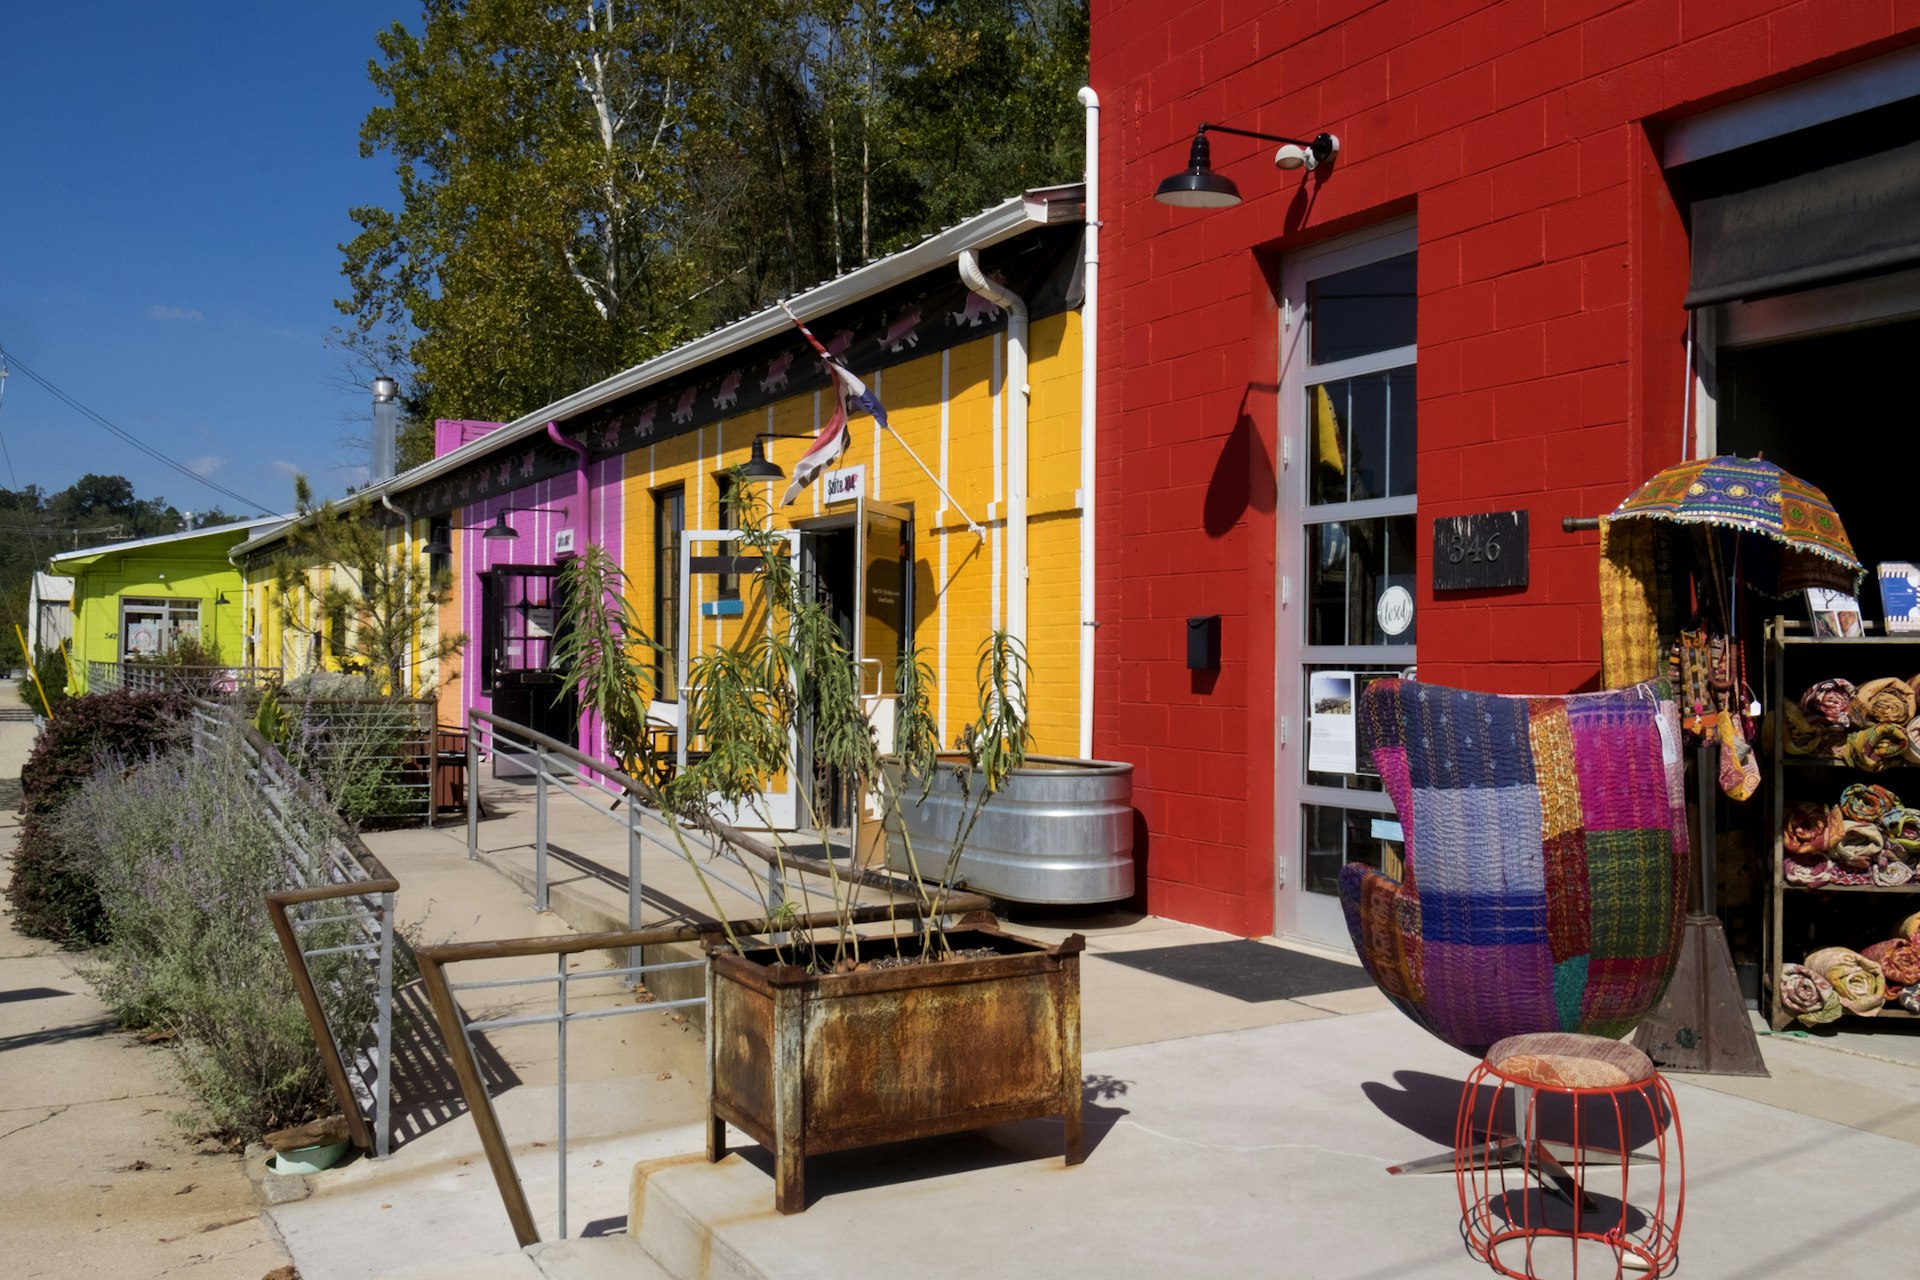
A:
(601, 1258)
(679, 1231)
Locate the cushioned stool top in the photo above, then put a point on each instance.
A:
(1566, 1060)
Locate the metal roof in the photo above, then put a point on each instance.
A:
(1043, 206)
(185, 535)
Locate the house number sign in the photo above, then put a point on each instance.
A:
(1488, 549)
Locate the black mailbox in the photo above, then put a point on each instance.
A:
(1203, 643)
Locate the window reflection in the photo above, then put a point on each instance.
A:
(1370, 308)
(1363, 434)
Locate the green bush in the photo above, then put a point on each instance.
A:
(51, 668)
(52, 895)
(183, 853)
(364, 751)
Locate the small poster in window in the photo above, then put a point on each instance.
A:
(1834, 613)
(1330, 728)
(1900, 595)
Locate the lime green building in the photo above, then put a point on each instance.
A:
(132, 599)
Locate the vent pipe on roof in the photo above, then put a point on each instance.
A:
(386, 437)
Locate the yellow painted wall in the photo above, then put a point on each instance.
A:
(295, 649)
(951, 408)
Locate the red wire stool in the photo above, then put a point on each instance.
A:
(1610, 1087)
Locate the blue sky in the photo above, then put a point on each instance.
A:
(174, 181)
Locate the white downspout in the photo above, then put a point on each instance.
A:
(1016, 310)
(1089, 382)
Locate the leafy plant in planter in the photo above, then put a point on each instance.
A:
(981, 1027)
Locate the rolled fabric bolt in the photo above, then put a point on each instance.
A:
(1885, 701)
(1867, 802)
(1859, 846)
(1802, 738)
(1808, 871)
(1873, 749)
(1829, 703)
(1903, 832)
(1912, 755)
(1812, 827)
(1858, 981)
(1909, 927)
(1890, 873)
(1807, 995)
(1899, 961)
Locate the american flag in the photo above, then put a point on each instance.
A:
(835, 436)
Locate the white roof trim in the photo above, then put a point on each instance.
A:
(1043, 207)
(1002, 222)
(184, 535)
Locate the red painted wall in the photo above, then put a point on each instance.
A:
(1524, 137)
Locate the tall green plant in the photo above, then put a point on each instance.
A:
(786, 680)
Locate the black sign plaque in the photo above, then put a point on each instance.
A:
(1487, 549)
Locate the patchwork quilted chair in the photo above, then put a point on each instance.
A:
(1546, 860)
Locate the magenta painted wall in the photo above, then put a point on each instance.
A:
(602, 522)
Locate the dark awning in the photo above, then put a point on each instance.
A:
(1858, 215)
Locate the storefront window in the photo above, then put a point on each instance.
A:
(669, 523)
(152, 626)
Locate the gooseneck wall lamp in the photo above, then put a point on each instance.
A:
(501, 529)
(1199, 186)
(757, 465)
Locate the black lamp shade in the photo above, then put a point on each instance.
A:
(1198, 186)
(438, 545)
(501, 529)
(758, 468)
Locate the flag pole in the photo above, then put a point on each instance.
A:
(973, 525)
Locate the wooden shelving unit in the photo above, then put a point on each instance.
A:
(1796, 659)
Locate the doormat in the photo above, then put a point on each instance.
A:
(1246, 970)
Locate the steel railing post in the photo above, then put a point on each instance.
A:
(383, 1033)
(561, 1025)
(473, 791)
(539, 827)
(633, 878)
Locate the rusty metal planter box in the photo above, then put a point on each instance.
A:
(805, 1063)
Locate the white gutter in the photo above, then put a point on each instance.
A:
(1089, 385)
(1016, 310)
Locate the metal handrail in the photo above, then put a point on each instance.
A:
(454, 1029)
(372, 881)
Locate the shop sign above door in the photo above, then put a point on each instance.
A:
(846, 484)
(1487, 549)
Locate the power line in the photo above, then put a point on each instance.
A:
(4, 451)
(135, 441)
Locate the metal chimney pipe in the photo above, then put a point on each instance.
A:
(386, 439)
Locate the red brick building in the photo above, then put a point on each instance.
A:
(1480, 305)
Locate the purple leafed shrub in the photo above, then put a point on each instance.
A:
(54, 897)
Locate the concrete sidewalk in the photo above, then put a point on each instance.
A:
(96, 1179)
(1228, 1137)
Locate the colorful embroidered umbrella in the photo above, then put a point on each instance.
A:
(1749, 494)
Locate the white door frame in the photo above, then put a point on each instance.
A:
(1315, 918)
(781, 806)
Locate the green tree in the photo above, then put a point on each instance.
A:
(581, 188)
(370, 599)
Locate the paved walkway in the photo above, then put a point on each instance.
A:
(1228, 1136)
(96, 1179)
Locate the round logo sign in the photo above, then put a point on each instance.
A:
(1394, 611)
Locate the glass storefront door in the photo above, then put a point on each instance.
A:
(1347, 538)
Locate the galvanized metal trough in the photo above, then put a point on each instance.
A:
(812, 1062)
(1059, 832)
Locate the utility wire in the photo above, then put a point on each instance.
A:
(135, 441)
(4, 451)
